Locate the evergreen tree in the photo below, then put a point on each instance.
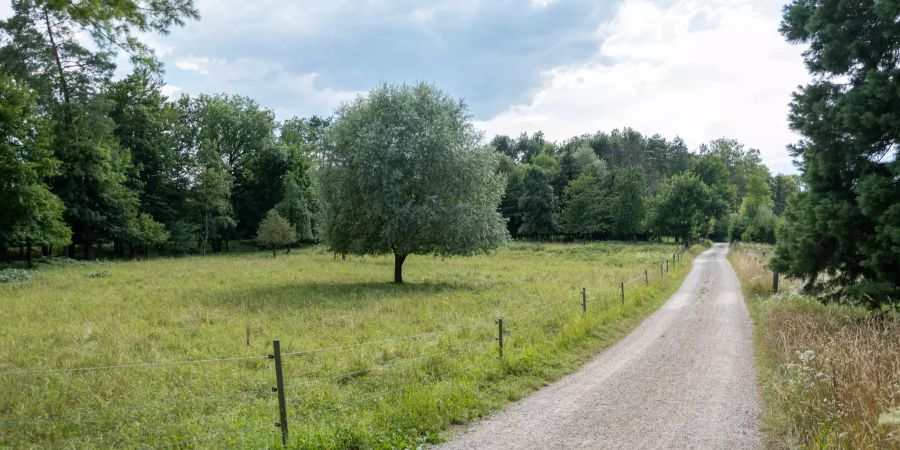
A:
(846, 224)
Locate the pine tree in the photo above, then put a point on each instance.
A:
(846, 224)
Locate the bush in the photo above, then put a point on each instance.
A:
(831, 374)
(10, 275)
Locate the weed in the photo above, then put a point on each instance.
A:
(830, 374)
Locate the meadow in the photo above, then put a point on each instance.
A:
(830, 374)
(175, 352)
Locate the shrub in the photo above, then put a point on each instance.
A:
(10, 275)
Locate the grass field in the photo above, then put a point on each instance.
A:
(830, 374)
(372, 385)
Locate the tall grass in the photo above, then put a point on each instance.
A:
(388, 393)
(831, 374)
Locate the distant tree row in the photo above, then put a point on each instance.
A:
(624, 185)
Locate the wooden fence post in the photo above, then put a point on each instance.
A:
(279, 389)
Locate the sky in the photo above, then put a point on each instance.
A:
(690, 68)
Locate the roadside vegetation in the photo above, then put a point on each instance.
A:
(830, 373)
(392, 392)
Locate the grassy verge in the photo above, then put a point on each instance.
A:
(390, 392)
(830, 374)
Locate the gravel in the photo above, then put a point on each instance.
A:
(684, 378)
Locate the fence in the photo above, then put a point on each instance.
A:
(759, 255)
(272, 393)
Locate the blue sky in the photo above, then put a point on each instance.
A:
(700, 69)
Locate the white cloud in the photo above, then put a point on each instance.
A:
(264, 81)
(700, 70)
(542, 3)
(170, 90)
(200, 65)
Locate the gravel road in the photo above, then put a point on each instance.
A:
(684, 378)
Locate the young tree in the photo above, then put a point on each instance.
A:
(403, 173)
(31, 214)
(846, 224)
(144, 232)
(275, 232)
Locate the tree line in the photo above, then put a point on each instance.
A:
(625, 185)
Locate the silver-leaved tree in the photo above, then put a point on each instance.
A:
(403, 172)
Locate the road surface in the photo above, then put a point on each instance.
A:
(684, 378)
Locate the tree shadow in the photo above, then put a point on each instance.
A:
(342, 296)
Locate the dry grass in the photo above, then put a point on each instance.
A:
(831, 374)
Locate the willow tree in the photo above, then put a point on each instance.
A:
(403, 173)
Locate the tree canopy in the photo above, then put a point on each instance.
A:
(403, 173)
(846, 223)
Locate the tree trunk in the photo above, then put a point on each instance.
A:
(63, 85)
(398, 268)
(88, 250)
(273, 252)
(28, 256)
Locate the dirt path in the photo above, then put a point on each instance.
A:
(685, 378)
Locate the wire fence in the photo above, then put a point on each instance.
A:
(263, 396)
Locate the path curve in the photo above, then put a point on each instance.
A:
(684, 378)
